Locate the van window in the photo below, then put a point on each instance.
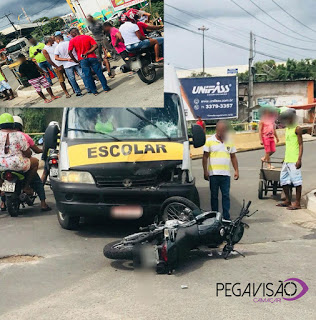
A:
(16, 47)
(126, 123)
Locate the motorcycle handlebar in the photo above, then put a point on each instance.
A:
(248, 205)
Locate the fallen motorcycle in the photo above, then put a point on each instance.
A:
(165, 244)
(12, 187)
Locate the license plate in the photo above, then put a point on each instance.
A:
(8, 186)
(127, 212)
(53, 172)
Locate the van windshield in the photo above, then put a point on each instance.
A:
(127, 123)
(16, 47)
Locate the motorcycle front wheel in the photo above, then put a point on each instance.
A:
(179, 208)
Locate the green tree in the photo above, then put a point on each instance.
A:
(292, 70)
(199, 75)
(49, 28)
(3, 40)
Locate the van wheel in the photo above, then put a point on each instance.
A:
(68, 222)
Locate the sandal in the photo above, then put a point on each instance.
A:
(292, 208)
(47, 101)
(46, 209)
(283, 205)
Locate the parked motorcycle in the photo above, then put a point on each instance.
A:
(166, 243)
(144, 63)
(12, 186)
(52, 161)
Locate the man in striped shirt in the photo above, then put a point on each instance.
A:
(218, 154)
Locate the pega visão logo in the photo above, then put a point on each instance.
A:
(211, 89)
(290, 289)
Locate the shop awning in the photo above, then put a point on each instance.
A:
(304, 107)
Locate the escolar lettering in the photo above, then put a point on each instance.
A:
(125, 150)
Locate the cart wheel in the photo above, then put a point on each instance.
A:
(275, 188)
(260, 190)
(266, 184)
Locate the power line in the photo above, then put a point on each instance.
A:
(284, 44)
(300, 22)
(227, 42)
(191, 14)
(267, 25)
(11, 22)
(285, 26)
(229, 27)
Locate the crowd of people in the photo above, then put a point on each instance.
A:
(219, 152)
(67, 56)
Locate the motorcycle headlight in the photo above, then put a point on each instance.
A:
(76, 177)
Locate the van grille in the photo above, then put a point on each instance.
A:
(121, 182)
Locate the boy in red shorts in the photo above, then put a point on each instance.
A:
(267, 133)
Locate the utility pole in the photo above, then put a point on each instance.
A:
(203, 29)
(250, 79)
(79, 5)
(8, 17)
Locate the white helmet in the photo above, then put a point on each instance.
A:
(54, 123)
(18, 120)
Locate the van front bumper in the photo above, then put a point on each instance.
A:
(89, 200)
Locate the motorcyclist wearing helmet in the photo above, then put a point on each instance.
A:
(18, 124)
(36, 182)
(132, 36)
(53, 127)
(15, 153)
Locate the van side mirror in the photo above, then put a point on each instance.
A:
(198, 136)
(51, 137)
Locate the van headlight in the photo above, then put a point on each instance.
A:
(76, 177)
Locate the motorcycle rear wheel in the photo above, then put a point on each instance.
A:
(178, 208)
(118, 251)
(13, 206)
(147, 75)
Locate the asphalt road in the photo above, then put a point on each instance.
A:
(73, 280)
(127, 91)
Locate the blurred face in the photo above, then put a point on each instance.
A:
(221, 130)
(22, 59)
(33, 41)
(58, 39)
(74, 33)
(107, 29)
(90, 19)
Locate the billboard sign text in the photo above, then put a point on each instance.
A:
(210, 98)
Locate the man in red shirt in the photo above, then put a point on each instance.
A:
(85, 47)
(201, 123)
(147, 27)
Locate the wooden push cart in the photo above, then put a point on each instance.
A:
(269, 179)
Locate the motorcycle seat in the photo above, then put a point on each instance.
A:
(139, 51)
(210, 214)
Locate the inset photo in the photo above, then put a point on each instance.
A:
(95, 53)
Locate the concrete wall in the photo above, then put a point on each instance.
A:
(285, 93)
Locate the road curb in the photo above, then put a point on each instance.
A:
(239, 150)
